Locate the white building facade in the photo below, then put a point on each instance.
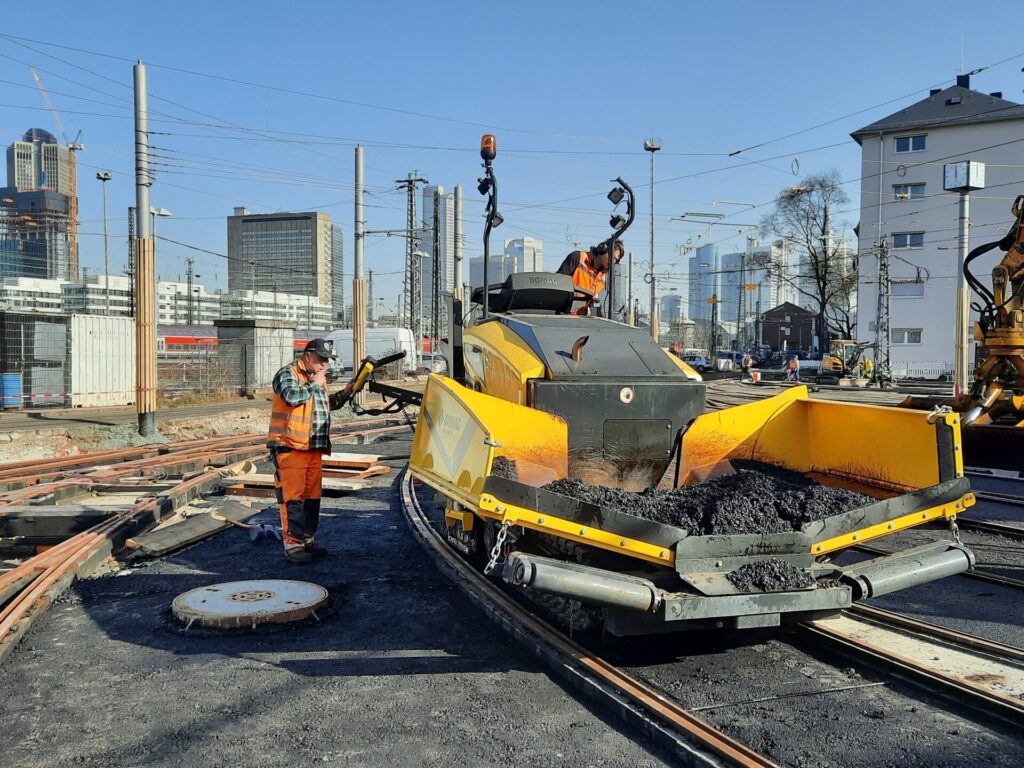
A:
(904, 206)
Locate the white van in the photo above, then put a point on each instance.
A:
(379, 342)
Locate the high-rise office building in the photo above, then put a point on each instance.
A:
(35, 234)
(283, 252)
(39, 162)
(38, 210)
(338, 277)
(445, 238)
(528, 253)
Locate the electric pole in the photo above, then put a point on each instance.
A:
(880, 373)
(652, 146)
(631, 319)
(189, 281)
(435, 291)
(145, 267)
(457, 270)
(104, 177)
(412, 279)
(358, 282)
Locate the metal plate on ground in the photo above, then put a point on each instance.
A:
(248, 603)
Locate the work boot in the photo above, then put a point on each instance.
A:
(298, 555)
(316, 550)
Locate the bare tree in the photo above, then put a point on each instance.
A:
(803, 219)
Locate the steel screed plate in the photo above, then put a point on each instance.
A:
(248, 603)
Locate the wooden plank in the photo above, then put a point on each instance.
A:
(241, 490)
(328, 484)
(189, 531)
(351, 460)
(352, 474)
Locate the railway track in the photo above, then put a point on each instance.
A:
(655, 714)
(27, 589)
(961, 666)
(646, 701)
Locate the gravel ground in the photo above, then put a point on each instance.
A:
(403, 672)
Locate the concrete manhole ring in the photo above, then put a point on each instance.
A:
(248, 603)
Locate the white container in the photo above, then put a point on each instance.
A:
(102, 361)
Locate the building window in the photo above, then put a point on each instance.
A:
(911, 143)
(908, 240)
(905, 335)
(907, 191)
(907, 290)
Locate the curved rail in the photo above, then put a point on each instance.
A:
(686, 735)
(979, 690)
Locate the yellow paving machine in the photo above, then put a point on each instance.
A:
(540, 400)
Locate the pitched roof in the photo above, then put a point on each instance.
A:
(956, 105)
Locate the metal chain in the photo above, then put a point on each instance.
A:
(954, 529)
(499, 542)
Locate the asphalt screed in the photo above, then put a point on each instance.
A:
(758, 498)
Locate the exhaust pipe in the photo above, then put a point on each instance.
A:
(588, 585)
(908, 568)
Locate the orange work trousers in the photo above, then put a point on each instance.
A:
(297, 478)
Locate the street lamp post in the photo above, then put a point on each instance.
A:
(652, 146)
(104, 177)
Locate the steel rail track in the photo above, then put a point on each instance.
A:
(691, 739)
(28, 589)
(992, 527)
(961, 690)
(901, 621)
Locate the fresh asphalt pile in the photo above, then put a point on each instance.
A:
(504, 467)
(758, 498)
(771, 575)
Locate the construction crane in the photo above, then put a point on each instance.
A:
(73, 148)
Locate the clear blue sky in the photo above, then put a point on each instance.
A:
(570, 90)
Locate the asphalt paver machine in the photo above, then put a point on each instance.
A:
(538, 394)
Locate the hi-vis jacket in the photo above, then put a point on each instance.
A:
(585, 277)
(300, 417)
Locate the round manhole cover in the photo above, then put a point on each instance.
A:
(247, 603)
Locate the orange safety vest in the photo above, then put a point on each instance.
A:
(588, 279)
(290, 425)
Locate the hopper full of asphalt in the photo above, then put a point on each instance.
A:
(758, 499)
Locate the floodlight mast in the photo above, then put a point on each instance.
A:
(488, 185)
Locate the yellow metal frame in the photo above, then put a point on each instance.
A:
(567, 529)
(461, 431)
(943, 512)
(891, 448)
(500, 362)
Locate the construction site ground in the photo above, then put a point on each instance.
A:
(401, 672)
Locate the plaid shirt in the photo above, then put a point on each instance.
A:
(293, 392)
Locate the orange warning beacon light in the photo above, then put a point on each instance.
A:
(488, 147)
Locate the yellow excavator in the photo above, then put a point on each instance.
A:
(541, 400)
(993, 409)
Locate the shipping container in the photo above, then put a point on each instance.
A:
(251, 352)
(102, 360)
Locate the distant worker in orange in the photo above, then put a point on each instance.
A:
(588, 270)
(300, 434)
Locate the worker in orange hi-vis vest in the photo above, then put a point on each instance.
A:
(299, 436)
(588, 270)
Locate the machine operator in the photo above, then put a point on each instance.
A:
(588, 269)
(299, 436)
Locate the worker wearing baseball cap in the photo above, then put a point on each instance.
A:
(299, 436)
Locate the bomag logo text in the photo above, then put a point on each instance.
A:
(453, 423)
(543, 281)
